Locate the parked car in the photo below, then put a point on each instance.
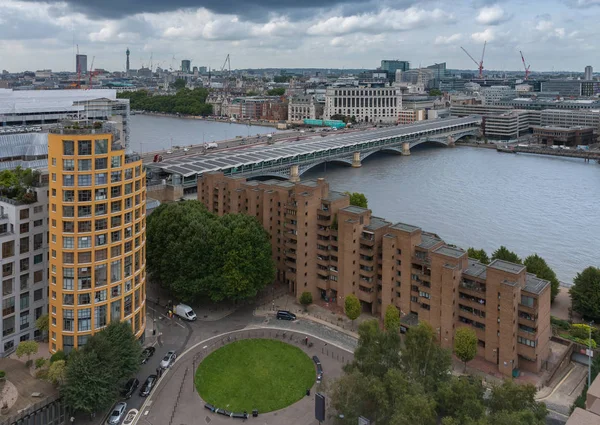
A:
(319, 368)
(130, 387)
(117, 413)
(147, 353)
(185, 312)
(285, 315)
(168, 359)
(148, 385)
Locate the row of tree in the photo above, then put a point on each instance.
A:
(534, 264)
(196, 254)
(185, 101)
(391, 384)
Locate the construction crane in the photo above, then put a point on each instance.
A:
(225, 64)
(92, 73)
(480, 63)
(525, 66)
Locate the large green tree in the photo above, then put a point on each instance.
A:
(185, 101)
(514, 398)
(478, 254)
(538, 266)
(358, 199)
(280, 91)
(377, 351)
(503, 253)
(391, 320)
(461, 398)
(352, 307)
(195, 254)
(465, 344)
(585, 293)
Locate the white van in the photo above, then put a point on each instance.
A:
(185, 312)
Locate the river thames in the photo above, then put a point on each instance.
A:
(468, 196)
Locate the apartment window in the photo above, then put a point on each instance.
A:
(68, 227)
(8, 327)
(115, 310)
(84, 278)
(68, 211)
(424, 295)
(84, 242)
(38, 223)
(24, 228)
(38, 259)
(84, 226)
(84, 257)
(38, 276)
(68, 147)
(101, 239)
(127, 305)
(128, 188)
(100, 164)
(38, 241)
(68, 195)
(115, 161)
(24, 264)
(115, 206)
(84, 195)
(68, 299)
(100, 296)
(115, 236)
(115, 191)
(7, 286)
(24, 281)
(100, 316)
(527, 301)
(100, 275)
(115, 221)
(68, 320)
(68, 242)
(101, 178)
(101, 146)
(24, 301)
(68, 278)
(68, 343)
(101, 254)
(82, 340)
(84, 147)
(101, 194)
(128, 173)
(128, 233)
(525, 341)
(8, 269)
(84, 299)
(128, 203)
(128, 285)
(127, 247)
(38, 294)
(8, 249)
(115, 271)
(68, 258)
(115, 291)
(84, 179)
(414, 299)
(68, 180)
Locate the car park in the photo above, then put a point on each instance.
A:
(117, 413)
(168, 359)
(147, 353)
(148, 385)
(285, 315)
(130, 387)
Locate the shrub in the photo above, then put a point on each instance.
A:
(2, 374)
(559, 323)
(580, 330)
(39, 363)
(306, 299)
(59, 355)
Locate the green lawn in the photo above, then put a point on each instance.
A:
(255, 374)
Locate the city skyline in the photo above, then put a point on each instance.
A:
(259, 34)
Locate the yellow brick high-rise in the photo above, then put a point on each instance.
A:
(97, 235)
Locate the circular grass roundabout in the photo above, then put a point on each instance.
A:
(255, 374)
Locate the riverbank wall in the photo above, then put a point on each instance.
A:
(201, 118)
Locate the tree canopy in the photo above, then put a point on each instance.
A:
(391, 385)
(280, 91)
(358, 199)
(27, 348)
(478, 254)
(503, 253)
(465, 344)
(16, 184)
(585, 293)
(538, 266)
(95, 373)
(391, 320)
(179, 84)
(185, 101)
(435, 92)
(196, 254)
(352, 307)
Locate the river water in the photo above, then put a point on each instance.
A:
(468, 196)
(151, 133)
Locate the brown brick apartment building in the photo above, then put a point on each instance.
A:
(324, 245)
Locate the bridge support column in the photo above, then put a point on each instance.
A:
(451, 142)
(405, 148)
(356, 160)
(294, 174)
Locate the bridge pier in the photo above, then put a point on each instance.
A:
(451, 142)
(406, 149)
(356, 160)
(294, 174)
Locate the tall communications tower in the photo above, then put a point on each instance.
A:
(127, 63)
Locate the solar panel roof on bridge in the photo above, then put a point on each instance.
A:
(201, 163)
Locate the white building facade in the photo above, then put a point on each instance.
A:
(24, 259)
(303, 107)
(366, 104)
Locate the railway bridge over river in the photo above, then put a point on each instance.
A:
(292, 159)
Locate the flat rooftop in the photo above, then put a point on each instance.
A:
(405, 227)
(450, 251)
(428, 241)
(505, 266)
(534, 284)
(476, 269)
(377, 223)
(583, 417)
(334, 196)
(354, 210)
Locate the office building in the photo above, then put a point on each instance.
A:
(571, 118)
(409, 116)
(24, 259)
(422, 76)
(81, 64)
(510, 125)
(322, 244)
(305, 107)
(391, 66)
(572, 87)
(377, 104)
(465, 110)
(493, 94)
(588, 73)
(186, 66)
(572, 136)
(97, 235)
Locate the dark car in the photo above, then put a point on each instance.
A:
(130, 387)
(285, 315)
(148, 385)
(319, 368)
(147, 353)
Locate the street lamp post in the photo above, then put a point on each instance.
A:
(590, 355)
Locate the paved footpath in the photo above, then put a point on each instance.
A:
(176, 402)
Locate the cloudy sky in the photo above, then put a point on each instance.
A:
(553, 34)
